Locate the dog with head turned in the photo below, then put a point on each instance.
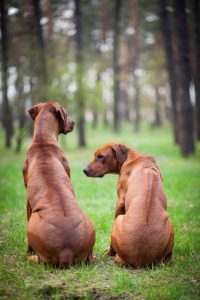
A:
(58, 230)
(142, 233)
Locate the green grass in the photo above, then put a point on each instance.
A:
(180, 279)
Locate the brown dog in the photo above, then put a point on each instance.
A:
(142, 233)
(58, 230)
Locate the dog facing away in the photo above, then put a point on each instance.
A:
(58, 230)
(142, 233)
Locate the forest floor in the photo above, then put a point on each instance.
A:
(179, 279)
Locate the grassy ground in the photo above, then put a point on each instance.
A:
(180, 279)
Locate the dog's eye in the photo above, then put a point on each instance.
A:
(100, 157)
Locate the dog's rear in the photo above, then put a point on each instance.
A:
(142, 232)
(58, 231)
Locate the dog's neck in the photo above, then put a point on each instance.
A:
(132, 155)
(46, 128)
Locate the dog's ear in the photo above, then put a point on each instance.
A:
(65, 124)
(34, 110)
(62, 118)
(121, 152)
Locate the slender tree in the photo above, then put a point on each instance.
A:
(136, 104)
(196, 14)
(20, 109)
(6, 109)
(134, 63)
(79, 61)
(42, 68)
(168, 45)
(104, 25)
(116, 68)
(157, 116)
(19, 41)
(184, 106)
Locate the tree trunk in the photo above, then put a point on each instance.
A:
(184, 107)
(95, 118)
(116, 68)
(196, 13)
(104, 25)
(136, 124)
(79, 61)
(126, 106)
(105, 119)
(20, 109)
(7, 121)
(157, 120)
(167, 36)
(42, 69)
(30, 122)
(134, 48)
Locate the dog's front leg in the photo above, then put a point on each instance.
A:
(29, 212)
(25, 171)
(119, 210)
(28, 207)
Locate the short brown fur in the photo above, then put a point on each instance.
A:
(142, 233)
(58, 230)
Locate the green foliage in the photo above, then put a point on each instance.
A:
(20, 279)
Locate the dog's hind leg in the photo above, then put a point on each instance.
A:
(119, 260)
(110, 251)
(90, 258)
(29, 249)
(168, 257)
(170, 245)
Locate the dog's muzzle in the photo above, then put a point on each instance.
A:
(86, 172)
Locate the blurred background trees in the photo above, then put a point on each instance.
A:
(107, 62)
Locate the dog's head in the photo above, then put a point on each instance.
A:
(107, 159)
(64, 122)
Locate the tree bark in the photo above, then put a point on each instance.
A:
(104, 25)
(167, 36)
(105, 117)
(79, 61)
(157, 120)
(134, 48)
(20, 109)
(42, 68)
(196, 13)
(7, 121)
(136, 103)
(116, 68)
(94, 119)
(184, 107)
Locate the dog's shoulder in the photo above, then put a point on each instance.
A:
(43, 148)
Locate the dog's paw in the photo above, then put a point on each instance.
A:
(33, 258)
(110, 252)
(118, 260)
(91, 259)
(107, 252)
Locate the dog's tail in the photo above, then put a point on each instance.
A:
(66, 258)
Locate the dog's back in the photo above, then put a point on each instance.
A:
(144, 232)
(58, 230)
(48, 179)
(55, 213)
